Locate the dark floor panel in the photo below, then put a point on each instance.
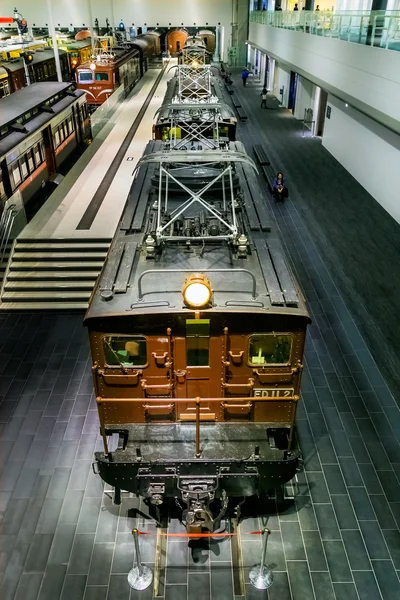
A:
(338, 541)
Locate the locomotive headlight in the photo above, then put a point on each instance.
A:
(197, 291)
(93, 66)
(195, 64)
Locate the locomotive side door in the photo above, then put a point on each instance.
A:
(197, 362)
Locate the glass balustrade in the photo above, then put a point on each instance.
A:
(373, 28)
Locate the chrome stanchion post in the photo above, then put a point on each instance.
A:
(141, 576)
(260, 576)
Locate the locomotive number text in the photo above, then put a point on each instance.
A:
(273, 392)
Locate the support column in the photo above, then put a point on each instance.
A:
(266, 64)
(112, 15)
(52, 32)
(91, 25)
(242, 29)
(374, 33)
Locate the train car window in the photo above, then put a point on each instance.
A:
(85, 76)
(16, 173)
(4, 89)
(38, 155)
(2, 190)
(31, 163)
(56, 138)
(270, 349)
(101, 76)
(125, 351)
(24, 168)
(197, 342)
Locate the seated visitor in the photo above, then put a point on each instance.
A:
(279, 191)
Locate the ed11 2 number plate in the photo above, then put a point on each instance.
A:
(273, 392)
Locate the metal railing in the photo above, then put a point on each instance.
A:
(373, 28)
(6, 224)
(104, 113)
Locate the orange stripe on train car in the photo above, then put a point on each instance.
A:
(65, 143)
(32, 176)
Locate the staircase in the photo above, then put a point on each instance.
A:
(52, 273)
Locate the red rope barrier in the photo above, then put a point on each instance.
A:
(198, 535)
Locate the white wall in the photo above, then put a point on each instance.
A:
(366, 77)
(304, 97)
(131, 11)
(282, 78)
(369, 151)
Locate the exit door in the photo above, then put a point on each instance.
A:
(197, 360)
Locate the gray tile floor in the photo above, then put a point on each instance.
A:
(62, 538)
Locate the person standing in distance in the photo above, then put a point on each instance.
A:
(264, 98)
(245, 75)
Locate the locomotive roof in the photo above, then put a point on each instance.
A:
(39, 56)
(172, 90)
(27, 99)
(73, 45)
(24, 100)
(131, 284)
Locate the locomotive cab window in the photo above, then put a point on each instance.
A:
(125, 351)
(101, 76)
(85, 76)
(197, 342)
(270, 349)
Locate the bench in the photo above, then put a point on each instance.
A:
(266, 167)
(269, 175)
(261, 156)
(241, 114)
(236, 102)
(228, 88)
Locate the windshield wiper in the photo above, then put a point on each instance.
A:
(123, 368)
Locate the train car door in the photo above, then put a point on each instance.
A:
(197, 360)
(49, 149)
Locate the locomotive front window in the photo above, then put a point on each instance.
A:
(270, 349)
(125, 351)
(197, 342)
(101, 76)
(85, 76)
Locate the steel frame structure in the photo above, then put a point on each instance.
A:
(194, 81)
(192, 54)
(225, 160)
(194, 119)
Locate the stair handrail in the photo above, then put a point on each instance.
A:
(5, 228)
(6, 225)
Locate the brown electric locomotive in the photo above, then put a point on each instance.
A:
(197, 331)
